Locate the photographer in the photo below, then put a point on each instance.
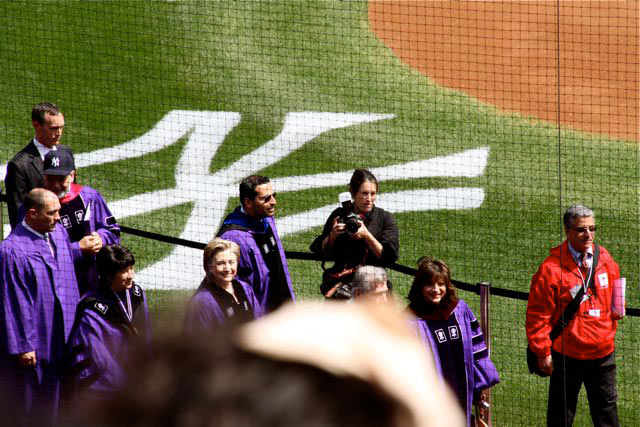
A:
(357, 233)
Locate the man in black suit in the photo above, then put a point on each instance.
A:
(24, 171)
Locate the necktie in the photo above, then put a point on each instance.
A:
(47, 239)
(585, 267)
(584, 263)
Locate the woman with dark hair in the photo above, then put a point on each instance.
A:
(221, 298)
(357, 233)
(452, 332)
(109, 322)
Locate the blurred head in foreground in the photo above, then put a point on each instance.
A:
(310, 364)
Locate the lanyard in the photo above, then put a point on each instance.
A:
(585, 284)
(128, 311)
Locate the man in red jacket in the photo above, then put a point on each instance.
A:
(584, 351)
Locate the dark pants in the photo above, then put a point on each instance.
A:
(599, 378)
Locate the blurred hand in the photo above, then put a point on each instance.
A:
(616, 316)
(27, 359)
(546, 364)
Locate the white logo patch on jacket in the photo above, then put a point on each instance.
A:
(603, 278)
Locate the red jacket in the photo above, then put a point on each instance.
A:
(586, 337)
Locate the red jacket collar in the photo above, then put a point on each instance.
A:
(563, 253)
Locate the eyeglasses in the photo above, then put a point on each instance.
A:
(581, 230)
(267, 198)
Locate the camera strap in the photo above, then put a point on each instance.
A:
(354, 268)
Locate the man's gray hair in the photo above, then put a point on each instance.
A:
(367, 276)
(574, 211)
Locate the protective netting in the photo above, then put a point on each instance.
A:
(481, 120)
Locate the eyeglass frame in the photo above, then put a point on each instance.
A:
(581, 230)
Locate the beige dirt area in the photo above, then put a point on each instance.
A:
(570, 61)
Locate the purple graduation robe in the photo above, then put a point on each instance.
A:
(73, 209)
(259, 239)
(103, 337)
(204, 313)
(476, 371)
(39, 297)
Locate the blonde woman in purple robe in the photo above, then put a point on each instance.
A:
(221, 297)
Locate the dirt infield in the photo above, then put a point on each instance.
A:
(506, 53)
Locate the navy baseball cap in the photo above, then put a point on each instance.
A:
(58, 162)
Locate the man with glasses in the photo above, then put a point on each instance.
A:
(262, 262)
(584, 350)
(24, 170)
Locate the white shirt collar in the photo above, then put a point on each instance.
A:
(25, 225)
(42, 149)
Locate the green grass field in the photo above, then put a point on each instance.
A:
(117, 68)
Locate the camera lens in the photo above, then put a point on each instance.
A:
(352, 225)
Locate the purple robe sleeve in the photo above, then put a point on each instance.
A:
(96, 345)
(485, 373)
(18, 312)
(203, 313)
(76, 253)
(147, 331)
(99, 348)
(102, 220)
(258, 311)
(285, 264)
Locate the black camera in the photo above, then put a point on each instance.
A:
(350, 219)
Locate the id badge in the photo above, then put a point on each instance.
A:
(594, 312)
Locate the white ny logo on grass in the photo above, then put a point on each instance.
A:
(210, 193)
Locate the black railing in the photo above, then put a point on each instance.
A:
(309, 256)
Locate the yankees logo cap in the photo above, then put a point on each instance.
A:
(58, 162)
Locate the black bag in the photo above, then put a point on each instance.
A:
(532, 363)
(336, 284)
(336, 281)
(570, 310)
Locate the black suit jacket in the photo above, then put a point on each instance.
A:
(24, 173)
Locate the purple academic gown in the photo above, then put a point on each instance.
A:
(204, 312)
(252, 268)
(479, 370)
(39, 297)
(101, 220)
(102, 339)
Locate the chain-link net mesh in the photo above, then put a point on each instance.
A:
(482, 121)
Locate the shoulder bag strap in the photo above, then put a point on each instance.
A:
(572, 307)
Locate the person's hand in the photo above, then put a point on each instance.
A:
(365, 235)
(91, 244)
(27, 359)
(337, 229)
(362, 233)
(546, 364)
